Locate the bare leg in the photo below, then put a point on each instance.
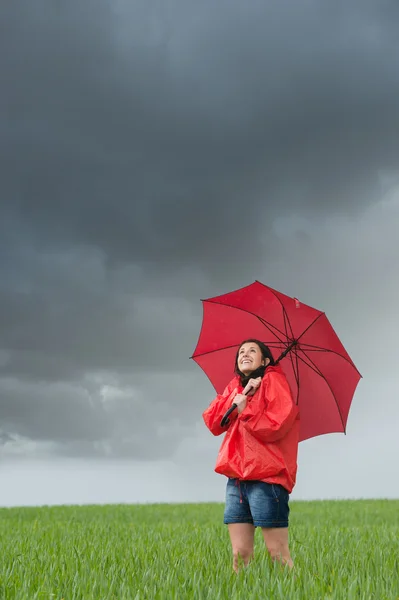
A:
(276, 540)
(242, 543)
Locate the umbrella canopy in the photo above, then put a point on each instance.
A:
(322, 376)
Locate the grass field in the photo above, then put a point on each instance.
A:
(342, 550)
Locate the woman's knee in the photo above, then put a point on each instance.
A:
(242, 541)
(243, 552)
(277, 550)
(280, 552)
(276, 540)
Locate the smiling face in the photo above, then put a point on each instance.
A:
(250, 358)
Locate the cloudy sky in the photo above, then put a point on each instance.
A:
(154, 153)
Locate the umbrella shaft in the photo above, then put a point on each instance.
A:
(288, 349)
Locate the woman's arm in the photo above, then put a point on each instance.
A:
(216, 410)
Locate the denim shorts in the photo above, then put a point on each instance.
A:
(256, 502)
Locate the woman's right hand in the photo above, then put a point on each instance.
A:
(241, 401)
(252, 386)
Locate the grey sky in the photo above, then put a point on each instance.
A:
(155, 153)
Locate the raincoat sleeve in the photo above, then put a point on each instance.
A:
(217, 408)
(279, 413)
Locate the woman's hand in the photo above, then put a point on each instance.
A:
(252, 386)
(249, 390)
(241, 401)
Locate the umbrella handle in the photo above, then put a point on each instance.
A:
(225, 421)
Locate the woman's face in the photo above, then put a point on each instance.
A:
(250, 358)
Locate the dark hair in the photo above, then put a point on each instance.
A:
(266, 353)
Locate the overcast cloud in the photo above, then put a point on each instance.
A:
(155, 153)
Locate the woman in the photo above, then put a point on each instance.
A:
(258, 453)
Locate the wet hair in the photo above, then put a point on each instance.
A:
(266, 353)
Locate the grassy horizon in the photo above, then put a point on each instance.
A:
(342, 549)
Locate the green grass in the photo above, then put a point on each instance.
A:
(342, 550)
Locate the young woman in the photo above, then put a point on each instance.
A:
(259, 452)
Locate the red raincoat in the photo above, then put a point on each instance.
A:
(261, 442)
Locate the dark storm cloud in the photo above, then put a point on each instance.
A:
(147, 150)
(101, 415)
(64, 314)
(143, 143)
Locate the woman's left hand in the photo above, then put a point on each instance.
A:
(252, 386)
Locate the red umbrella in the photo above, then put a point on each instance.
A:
(321, 374)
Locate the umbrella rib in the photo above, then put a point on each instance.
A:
(287, 322)
(212, 351)
(287, 319)
(268, 325)
(312, 348)
(319, 348)
(282, 306)
(311, 365)
(296, 374)
(309, 326)
(295, 371)
(315, 368)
